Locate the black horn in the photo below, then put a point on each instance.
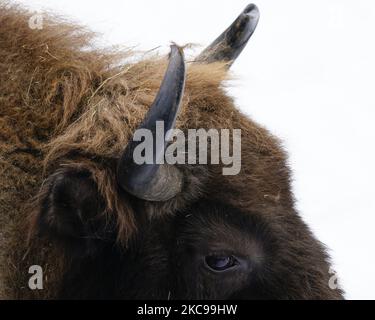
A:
(229, 45)
(157, 182)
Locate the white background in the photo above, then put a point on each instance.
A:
(307, 75)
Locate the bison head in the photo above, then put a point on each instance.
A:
(126, 230)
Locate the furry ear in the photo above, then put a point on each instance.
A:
(71, 211)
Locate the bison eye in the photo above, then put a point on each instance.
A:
(220, 263)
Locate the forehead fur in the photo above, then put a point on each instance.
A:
(112, 113)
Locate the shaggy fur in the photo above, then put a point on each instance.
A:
(65, 105)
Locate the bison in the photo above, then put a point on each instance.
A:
(101, 226)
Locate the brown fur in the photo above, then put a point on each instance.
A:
(65, 104)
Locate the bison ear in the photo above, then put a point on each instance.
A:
(71, 209)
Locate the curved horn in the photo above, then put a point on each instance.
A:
(229, 45)
(157, 182)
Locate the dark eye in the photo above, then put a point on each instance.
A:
(221, 263)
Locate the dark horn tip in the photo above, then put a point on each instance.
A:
(251, 13)
(251, 8)
(229, 45)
